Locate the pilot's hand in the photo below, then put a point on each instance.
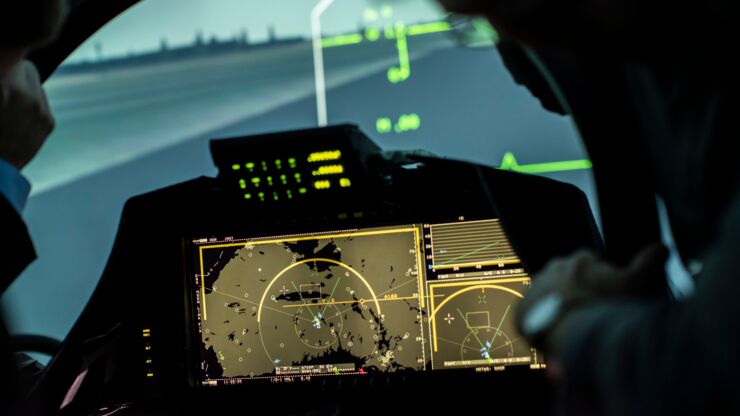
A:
(25, 118)
(567, 284)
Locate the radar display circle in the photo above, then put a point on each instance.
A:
(330, 306)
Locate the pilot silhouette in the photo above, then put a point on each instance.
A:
(25, 123)
(618, 345)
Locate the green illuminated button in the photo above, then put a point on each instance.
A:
(242, 184)
(235, 167)
(302, 190)
(247, 196)
(250, 166)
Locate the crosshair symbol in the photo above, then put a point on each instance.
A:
(284, 291)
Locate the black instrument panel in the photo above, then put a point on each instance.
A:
(401, 284)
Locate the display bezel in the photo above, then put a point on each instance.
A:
(191, 245)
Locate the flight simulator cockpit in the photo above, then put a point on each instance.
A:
(308, 270)
(319, 267)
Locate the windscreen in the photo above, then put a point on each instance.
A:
(416, 297)
(137, 104)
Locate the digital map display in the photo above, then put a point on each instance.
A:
(357, 302)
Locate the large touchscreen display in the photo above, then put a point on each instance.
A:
(417, 297)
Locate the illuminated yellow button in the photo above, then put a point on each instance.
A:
(325, 156)
(345, 183)
(322, 184)
(329, 170)
(150, 374)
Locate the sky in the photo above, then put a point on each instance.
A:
(144, 26)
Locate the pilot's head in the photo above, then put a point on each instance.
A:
(24, 25)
